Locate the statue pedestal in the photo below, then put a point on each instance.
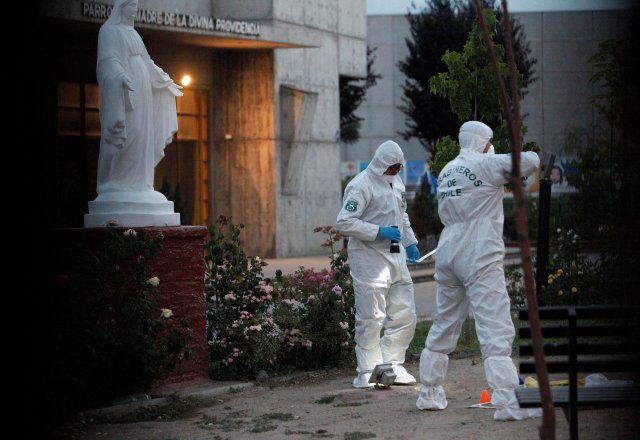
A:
(131, 209)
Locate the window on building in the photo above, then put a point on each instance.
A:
(76, 146)
(183, 174)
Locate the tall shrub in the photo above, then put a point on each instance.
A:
(108, 336)
(423, 212)
(303, 320)
(242, 337)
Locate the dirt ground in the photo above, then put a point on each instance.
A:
(323, 405)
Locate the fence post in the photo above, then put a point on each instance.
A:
(544, 212)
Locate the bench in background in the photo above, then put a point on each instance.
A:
(584, 339)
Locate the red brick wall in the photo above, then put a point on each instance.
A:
(180, 267)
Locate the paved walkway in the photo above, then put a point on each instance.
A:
(290, 265)
(319, 262)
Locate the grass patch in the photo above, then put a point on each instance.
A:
(467, 342)
(357, 435)
(236, 414)
(262, 425)
(319, 433)
(325, 400)
(231, 421)
(285, 417)
(290, 432)
(177, 408)
(419, 338)
(344, 404)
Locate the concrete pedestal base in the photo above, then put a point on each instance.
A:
(131, 209)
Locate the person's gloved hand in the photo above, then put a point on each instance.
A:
(412, 252)
(390, 233)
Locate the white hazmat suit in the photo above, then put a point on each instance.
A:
(381, 280)
(470, 273)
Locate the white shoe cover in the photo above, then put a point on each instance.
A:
(510, 413)
(403, 377)
(362, 380)
(432, 398)
(512, 410)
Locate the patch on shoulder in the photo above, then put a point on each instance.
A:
(351, 206)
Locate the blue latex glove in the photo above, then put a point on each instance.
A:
(390, 233)
(413, 253)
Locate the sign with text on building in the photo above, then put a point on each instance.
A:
(177, 20)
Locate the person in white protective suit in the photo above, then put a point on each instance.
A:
(373, 215)
(470, 273)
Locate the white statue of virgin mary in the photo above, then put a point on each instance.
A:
(137, 119)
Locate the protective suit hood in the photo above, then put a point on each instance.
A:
(474, 136)
(388, 153)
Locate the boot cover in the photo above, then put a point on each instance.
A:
(432, 398)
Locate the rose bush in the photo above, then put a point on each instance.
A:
(108, 336)
(303, 320)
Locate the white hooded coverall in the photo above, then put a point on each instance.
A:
(470, 273)
(382, 283)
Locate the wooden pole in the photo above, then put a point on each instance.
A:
(512, 115)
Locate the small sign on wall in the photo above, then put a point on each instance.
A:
(174, 19)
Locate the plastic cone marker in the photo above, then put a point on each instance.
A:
(485, 401)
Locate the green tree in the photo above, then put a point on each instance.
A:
(352, 94)
(469, 87)
(601, 159)
(423, 212)
(447, 149)
(601, 208)
(442, 26)
(435, 29)
(609, 74)
(468, 83)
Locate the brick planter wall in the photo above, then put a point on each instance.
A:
(180, 267)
